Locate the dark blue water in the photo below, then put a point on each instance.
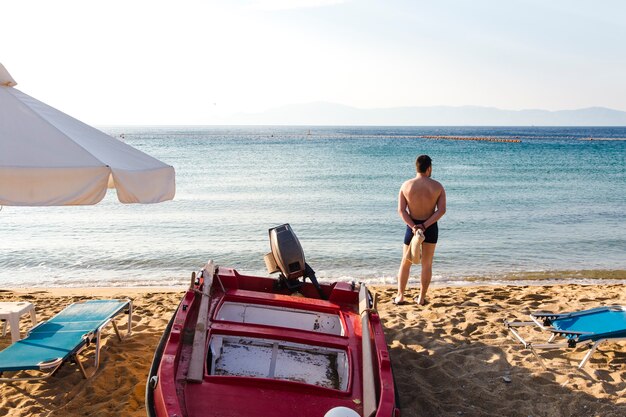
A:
(554, 202)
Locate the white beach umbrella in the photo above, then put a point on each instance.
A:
(48, 158)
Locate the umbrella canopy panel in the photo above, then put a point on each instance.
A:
(48, 158)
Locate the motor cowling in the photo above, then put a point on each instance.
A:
(286, 254)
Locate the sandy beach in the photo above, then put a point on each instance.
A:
(452, 357)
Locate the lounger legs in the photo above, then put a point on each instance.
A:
(97, 337)
(588, 355)
(117, 331)
(82, 368)
(50, 370)
(130, 322)
(512, 325)
(595, 346)
(130, 318)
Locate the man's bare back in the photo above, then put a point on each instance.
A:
(421, 195)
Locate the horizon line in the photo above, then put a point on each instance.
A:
(344, 125)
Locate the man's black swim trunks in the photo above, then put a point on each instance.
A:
(430, 235)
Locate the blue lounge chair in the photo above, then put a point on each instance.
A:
(595, 326)
(51, 343)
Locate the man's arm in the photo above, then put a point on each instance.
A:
(441, 210)
(402, 205)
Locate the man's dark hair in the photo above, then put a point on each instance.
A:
(422, 163)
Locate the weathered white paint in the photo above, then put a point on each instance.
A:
(277, 359)
(290, 318)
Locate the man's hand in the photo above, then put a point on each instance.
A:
(418, 227)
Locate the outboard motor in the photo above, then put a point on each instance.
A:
(287, 257)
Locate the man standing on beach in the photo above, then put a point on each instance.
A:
(421, 202)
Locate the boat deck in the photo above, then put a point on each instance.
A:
(280, 350)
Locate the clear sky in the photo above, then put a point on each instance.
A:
(191, 62)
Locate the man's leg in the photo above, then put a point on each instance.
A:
(428, 252)
(403, 274)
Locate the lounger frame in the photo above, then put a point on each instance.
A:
(49, 368)
(544, 322)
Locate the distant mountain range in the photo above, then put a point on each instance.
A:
(323, 113)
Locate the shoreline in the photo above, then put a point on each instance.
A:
(449, 358)
(524, 278)
(92, 291)
(412, 285)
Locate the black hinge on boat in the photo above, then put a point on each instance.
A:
(295, 284)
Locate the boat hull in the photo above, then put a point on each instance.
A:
(265, 352)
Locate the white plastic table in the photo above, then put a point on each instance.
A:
(11, 313)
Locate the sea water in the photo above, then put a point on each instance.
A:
(550, 207)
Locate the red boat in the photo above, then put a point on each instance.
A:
(246, 346)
